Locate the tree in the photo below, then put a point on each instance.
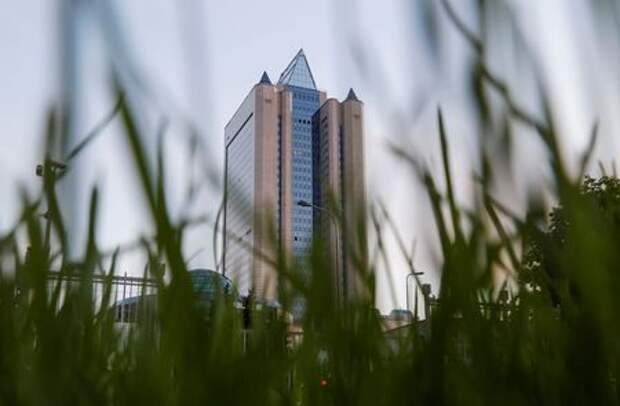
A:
(593, 214)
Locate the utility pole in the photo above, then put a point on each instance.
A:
(409, 275)
(50, 171)
(426, 294)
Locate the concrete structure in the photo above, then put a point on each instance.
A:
(288, 143)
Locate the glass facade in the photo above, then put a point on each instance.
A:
(298, 73)
(323, 167)
(321, 161)
(208, 284)
(240, 174)
(305, 104)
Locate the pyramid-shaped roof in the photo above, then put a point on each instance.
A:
(265, 79)
(298, 73)
(352, 95)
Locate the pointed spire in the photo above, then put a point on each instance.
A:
(352, 96)
(298, 73)
(265, 79)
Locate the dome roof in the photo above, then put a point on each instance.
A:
(208, 282)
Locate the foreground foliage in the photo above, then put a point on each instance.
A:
(553, 340)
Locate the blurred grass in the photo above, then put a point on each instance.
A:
(553, 340)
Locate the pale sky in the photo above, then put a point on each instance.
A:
(231, 42)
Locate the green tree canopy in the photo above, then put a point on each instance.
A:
(591, 218)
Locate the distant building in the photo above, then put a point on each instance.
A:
(207, 286)
(286, 143)
(400, 326)
(396, 319)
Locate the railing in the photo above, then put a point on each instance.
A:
(121, 286)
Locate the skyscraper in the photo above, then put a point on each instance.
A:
(294, 170)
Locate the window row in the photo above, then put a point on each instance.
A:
(302, 178)
(302, 228)
(301, 153)
(303, 220)
(306, 96)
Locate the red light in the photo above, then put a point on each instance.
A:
(323, 382)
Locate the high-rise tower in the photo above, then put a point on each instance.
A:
(287, 143)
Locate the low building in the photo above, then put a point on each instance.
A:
(207, 285)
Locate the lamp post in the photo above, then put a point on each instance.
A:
(334, 220)
(426, 294)
(50, 171)
(416, 292)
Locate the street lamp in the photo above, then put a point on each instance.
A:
(413, 273)
(50, 171)
(334, 220)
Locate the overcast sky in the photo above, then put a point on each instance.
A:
(201, 61)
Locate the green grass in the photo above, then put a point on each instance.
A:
(556, 341)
